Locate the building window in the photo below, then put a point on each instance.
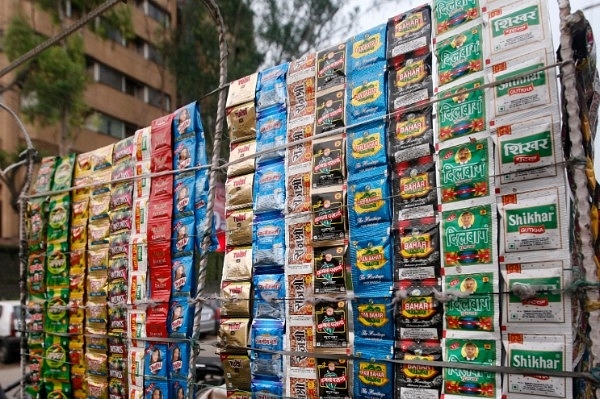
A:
(109, 31)
(130, 129)
(148, 51)
(139, 45)
(155, 12)
(134, 88)
(158, 99)
(30, 100)
(102, 123)
(72, 10)
(153, 54)
(109, 76)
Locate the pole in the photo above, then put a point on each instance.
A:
(215, 13)
(29, 156)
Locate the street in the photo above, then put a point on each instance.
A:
(10, 373)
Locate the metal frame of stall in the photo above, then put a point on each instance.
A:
(576, 166)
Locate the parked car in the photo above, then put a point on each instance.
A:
(209, 320)
(10, 312)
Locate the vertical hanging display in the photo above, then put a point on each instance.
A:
(396, 198)
(137, 266)
(301, 375)
(238, 264)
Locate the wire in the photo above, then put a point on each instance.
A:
(590, 7)
(289, 145)
(431, 363)
(350, 296)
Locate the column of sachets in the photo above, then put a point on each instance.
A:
(467, 201)
(189, 199)
(533, 200)
(82, 176)
(301, 378)
(121, 227)
(56, 370)
(137, 266)
(268, 232)
(417, 271)
(37, 221)
(329, 226)
(237, 268)
(96, 315)
(160, 214)
(369, 213)
(205, 236)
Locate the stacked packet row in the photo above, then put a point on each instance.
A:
(370, 213)
(301, 375)
(534, 206)
(190, 198)
(57, 370)
(37, 219)
(78, 271)
(237, 268)
(137, 266)
(468, 220)
(49, 269)
(121, 228)
(268, 233)
(98, 255)
(96, 283)
(467, 208)
(417, 272)
(329, 227)
(159, 239)
(487, 199)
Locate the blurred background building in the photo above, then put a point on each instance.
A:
(128, 86)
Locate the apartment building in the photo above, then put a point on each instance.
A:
(129, 86)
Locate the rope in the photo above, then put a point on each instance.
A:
(578, 176)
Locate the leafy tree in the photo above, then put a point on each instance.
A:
(292, 28)
(117, 18)
(192, 54)
(54, 82)
(266, 32)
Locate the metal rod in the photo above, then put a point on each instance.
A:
(215, 13)
(31, 155)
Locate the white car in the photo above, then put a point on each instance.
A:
(209, 320)
(10, 312)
